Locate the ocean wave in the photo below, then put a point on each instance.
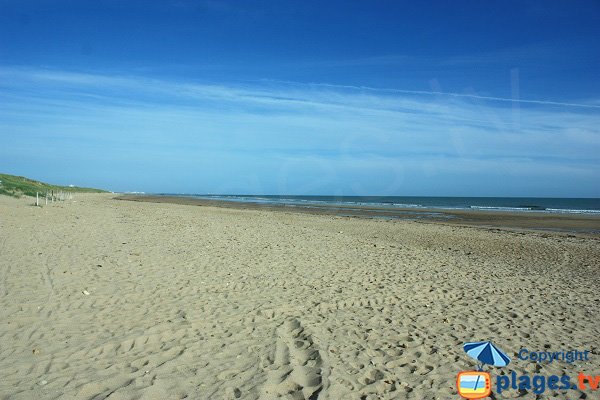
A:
(407, 205)
(571, 211)
(499, 208)
(537, 209)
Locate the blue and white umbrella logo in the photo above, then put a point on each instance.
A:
(486, 353)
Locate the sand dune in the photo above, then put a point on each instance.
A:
(102, 298)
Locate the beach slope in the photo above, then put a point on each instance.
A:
(101, 298)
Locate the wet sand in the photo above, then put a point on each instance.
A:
(571, 223)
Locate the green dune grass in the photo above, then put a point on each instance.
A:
(18, 186)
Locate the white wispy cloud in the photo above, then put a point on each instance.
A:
(317, 136)
(449, 94)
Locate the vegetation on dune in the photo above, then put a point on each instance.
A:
(18, 186)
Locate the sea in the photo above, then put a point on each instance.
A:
(512, 204)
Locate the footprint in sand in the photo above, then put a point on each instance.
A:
(296, 372)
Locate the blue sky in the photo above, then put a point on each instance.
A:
(300, 97)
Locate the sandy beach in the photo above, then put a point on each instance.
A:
(109, 299)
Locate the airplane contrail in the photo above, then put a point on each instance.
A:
(437, 93)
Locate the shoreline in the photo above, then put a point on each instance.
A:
(578, 224)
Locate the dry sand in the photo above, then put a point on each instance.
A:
(101, 298)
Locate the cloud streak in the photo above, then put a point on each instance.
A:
(460, 95)
(284, 136)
